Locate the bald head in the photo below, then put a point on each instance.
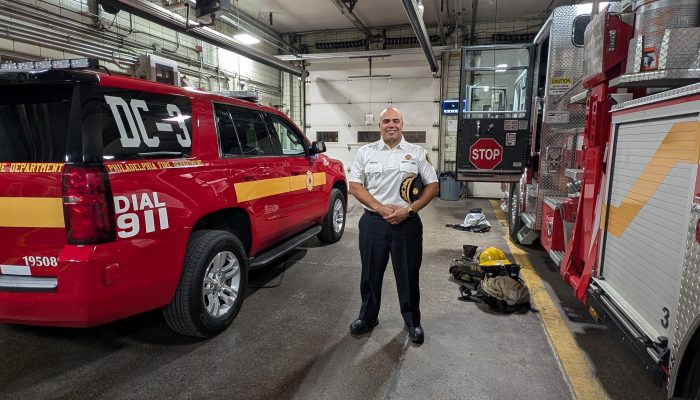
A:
(391, 126)
(381, 115)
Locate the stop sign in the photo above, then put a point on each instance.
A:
(486, 153)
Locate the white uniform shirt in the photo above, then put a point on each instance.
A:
(381, 169)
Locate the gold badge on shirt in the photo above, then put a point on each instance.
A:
(408, 156)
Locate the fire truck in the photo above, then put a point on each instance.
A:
(595, 127)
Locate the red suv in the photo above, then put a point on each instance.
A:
(119, 196)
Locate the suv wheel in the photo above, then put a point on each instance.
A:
(334, 223)
(212, 286)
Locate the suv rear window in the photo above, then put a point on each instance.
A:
(34, 122)
(140, 125)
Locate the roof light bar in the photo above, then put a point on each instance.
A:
(250, 95)
(75, 63)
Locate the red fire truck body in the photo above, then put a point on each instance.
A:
(598, 141)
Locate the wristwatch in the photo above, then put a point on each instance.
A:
(411, 213)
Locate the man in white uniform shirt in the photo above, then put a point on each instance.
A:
(390, 225)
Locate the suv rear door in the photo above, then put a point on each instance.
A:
(34, 126)
(260, 177)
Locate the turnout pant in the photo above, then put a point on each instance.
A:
(404, 243)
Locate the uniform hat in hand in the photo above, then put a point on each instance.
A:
(411, 188)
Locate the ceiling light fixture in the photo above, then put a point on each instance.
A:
(246, 38)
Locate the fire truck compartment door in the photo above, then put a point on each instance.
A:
(650, 192)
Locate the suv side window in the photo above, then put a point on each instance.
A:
(291, 141)
(252, 133)
(228, 140)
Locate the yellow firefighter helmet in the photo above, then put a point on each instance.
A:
(493, 256)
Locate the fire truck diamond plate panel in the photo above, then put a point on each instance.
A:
(689, 304)
(561, 119)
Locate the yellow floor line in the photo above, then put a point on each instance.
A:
(583, 381)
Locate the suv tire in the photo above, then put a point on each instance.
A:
(334, 223)
(212, 286)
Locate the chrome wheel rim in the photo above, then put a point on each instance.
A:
(222, 281)
(338, 215)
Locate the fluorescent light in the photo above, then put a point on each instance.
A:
(246, 38)
(501, 67)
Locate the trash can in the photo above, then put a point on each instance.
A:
(449, 187)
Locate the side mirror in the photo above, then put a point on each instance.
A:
(318, 147)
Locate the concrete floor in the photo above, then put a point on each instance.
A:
(291, 339)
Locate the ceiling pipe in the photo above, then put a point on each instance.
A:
(421, 33)
(347, 12)
(262, 29)
(438, 12)
(472, 30)
(178, 5)
(359, 54)
(162, 16)
(245, 22)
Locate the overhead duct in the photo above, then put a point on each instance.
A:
(389, 41)
(346, 44)
(501, 38)
(407, 40)
(421, 33)
(162, 16)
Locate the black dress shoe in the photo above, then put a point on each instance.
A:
(415, 334)
(360, 326)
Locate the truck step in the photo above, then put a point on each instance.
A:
(528, 219)
(527, 236)
(262, 259)
(554, 202)
(557, 256)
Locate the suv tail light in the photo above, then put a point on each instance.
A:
(88, 209)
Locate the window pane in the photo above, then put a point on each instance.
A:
(327, 136)
(227, 133)
(368, 136)
(579, 29)
(291, 141)
(502, 92)
(252, 133)
(34, 122)
(502, 58)
(414, 136)
(141, 125)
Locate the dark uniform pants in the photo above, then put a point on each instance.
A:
(404, 242)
